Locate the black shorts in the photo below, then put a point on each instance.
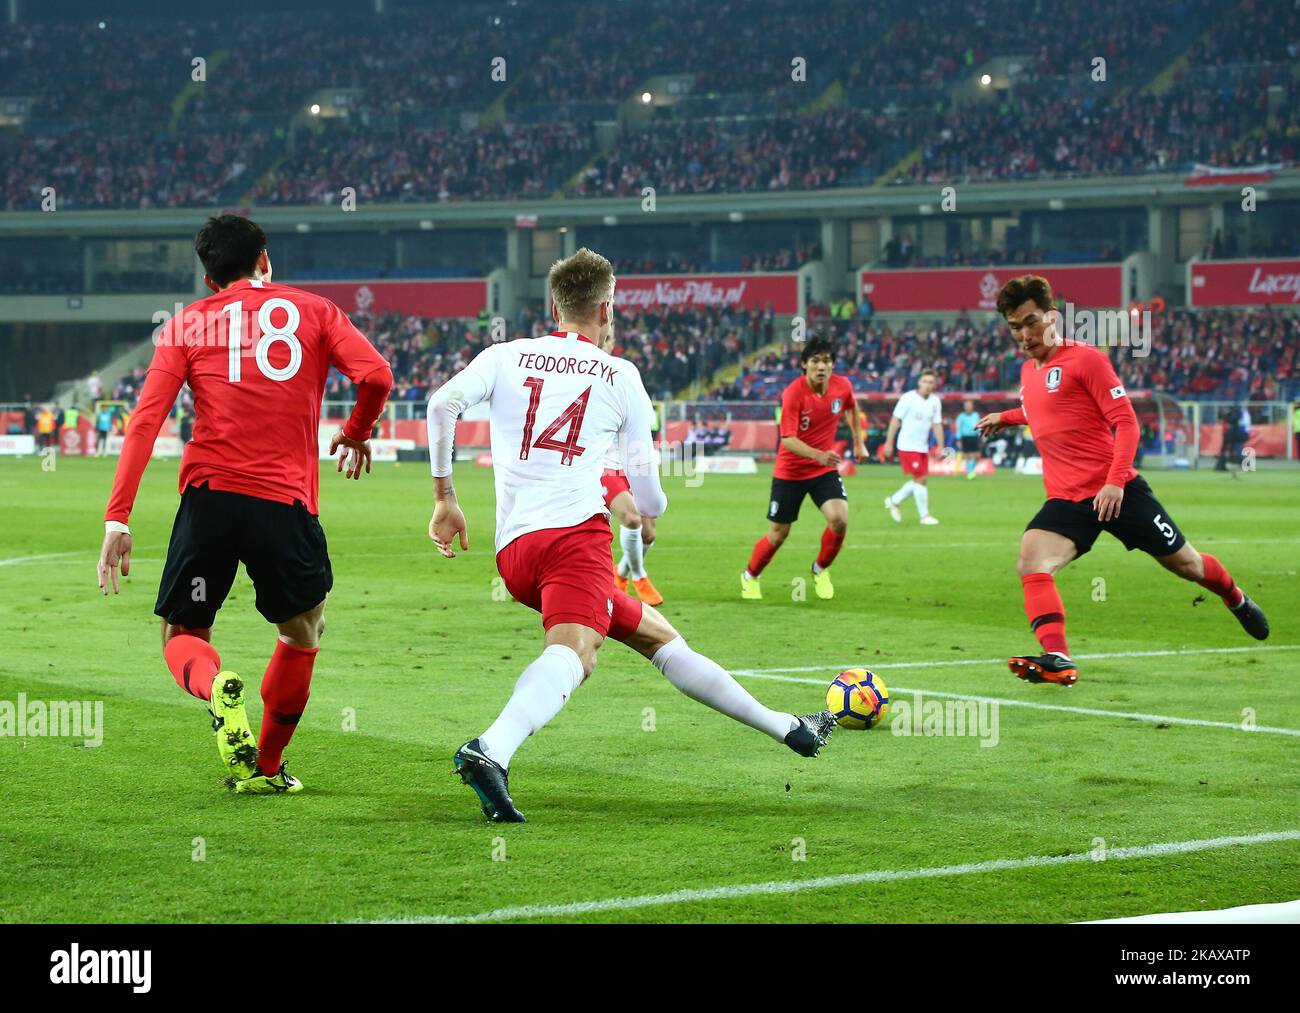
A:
(788, 494)
(1142, 522)
(970, 444)
(281, 546)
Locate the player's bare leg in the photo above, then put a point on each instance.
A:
(1205, 570)
(649, 532)
(540, 692)
(709, 683)
(631, 539)
(196, 667)
(1042, 554)
(285, 689)
(836, 512)
(764, 549)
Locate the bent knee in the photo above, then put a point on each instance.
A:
(1027, 565)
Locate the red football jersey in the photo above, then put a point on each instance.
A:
(1070, 405)
(812, 418)
(255, 356)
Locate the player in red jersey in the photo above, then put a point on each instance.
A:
(811, 408)
(1070, 395)
(255, 356)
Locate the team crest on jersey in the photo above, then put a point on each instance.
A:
(1054, 378)
(835, 406)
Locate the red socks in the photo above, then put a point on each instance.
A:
(285, 689)
(763, 552)
(831, 543)
(1045, 612)
(1219, 581)
(194, 663)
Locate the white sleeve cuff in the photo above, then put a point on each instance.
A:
(118, 526)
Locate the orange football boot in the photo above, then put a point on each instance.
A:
(646, 591)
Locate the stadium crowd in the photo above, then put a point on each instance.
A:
(414, 85)
(1230, 355)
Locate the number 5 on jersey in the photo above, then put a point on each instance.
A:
(570, 417)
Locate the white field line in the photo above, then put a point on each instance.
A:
(955, 662)
(779, 887)
(47, 557)
(1152, 719)
(771, 674)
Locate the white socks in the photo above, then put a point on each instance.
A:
(633, 562)
(908, 488)
(539, 694)
(922, 494)
(709, 683)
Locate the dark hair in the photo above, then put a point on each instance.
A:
(816, 345)
(1019, 290)
(228, 246)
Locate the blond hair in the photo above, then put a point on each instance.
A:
(580, 283)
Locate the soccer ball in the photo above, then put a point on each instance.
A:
(858, 699)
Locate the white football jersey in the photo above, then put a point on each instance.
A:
(916, 415)
(560, 409)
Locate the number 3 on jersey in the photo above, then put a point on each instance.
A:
(570, 417)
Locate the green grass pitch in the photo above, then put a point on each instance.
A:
(420, 653)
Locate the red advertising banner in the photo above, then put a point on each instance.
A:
(751, 291)
(1096, 286)
(1243, 283)
(455, 297)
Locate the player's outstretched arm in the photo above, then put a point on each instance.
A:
(354, 452)
(855, 426)
(156, 400)
(894, 423)
(997, 421)
(639, 462)
(359, 361)
(798, 446)
(448, 521)
(469, 387)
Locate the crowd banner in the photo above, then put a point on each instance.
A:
(1243, 283)
(953, 289)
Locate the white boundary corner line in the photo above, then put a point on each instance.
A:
(1163, 719)
(778, 887)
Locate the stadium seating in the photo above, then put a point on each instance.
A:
(111, 130)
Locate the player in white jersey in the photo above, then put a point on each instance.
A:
(636, 528)
(558, 405)
(916, 414)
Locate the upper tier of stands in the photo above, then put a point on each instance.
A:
(122, 125)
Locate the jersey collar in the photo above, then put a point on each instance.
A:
(572, 334)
